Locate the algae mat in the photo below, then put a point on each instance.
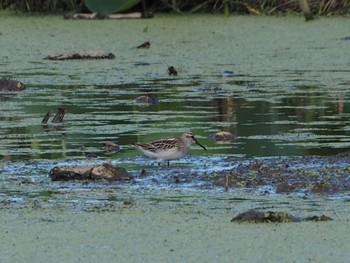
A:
(196, 228)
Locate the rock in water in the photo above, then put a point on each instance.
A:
(89, 172)
(11, 85)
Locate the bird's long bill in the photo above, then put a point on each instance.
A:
(198, 143)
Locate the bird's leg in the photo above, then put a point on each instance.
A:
(161, 164)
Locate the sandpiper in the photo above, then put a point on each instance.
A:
(169, 149)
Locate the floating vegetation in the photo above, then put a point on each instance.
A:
(106, 7)
(315, 174)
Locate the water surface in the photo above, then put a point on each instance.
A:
(287, 95)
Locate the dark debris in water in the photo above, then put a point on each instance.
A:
(253, 216)
(58, 118)
(146, 44)
(222, 137)
(110, 148)
(10, 88)
(227, 73)
(283, 175)
(172, 71)
(147, 100)
(11, 85)
(81, 55)
(317, 174)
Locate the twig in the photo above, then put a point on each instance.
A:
(59, 115)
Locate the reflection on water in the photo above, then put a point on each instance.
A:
(281, 98)
(306, 122)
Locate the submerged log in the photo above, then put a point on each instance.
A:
(254, 216)
(89, 172)
(81, 55)
(11, 85)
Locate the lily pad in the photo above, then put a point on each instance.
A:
(106, 7)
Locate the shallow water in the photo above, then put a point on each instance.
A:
(287, 95)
